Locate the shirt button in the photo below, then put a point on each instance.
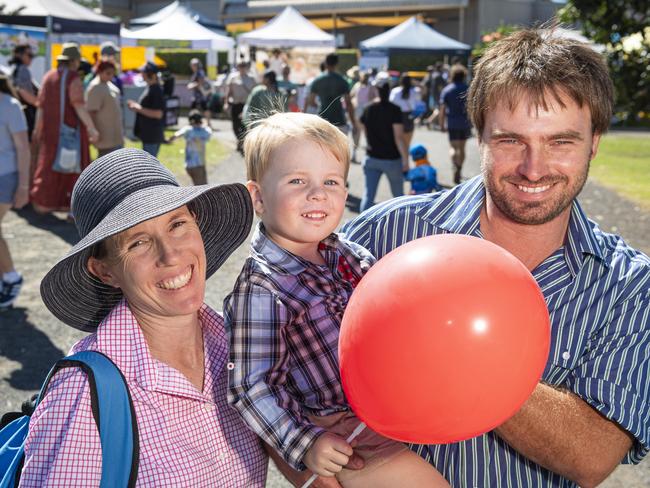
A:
(230, 366)
(207, 407)
(566, 356)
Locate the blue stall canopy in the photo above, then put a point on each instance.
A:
(413, 36)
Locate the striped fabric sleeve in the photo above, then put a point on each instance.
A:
(63, 448)
(613, 376)
(256, 319)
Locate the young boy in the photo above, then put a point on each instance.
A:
(284, 314)
(196, 136)
(423, 177)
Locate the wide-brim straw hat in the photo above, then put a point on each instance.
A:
(118, 191)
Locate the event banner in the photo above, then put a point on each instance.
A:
(11, 35)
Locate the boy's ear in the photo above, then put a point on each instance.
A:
(101, 271)
(256, 195)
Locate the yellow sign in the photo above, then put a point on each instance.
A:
(131, 57)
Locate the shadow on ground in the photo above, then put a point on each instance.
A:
(22, 342)
(51, 223)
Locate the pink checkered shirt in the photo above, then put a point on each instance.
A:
(187, 437)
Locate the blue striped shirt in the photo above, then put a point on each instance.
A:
(597, 290)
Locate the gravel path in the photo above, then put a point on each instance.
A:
(31, 339)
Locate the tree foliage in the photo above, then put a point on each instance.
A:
(621, 26)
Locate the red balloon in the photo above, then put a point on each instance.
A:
(443, 340)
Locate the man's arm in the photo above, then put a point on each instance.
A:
(559, 431)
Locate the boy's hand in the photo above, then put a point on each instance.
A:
(328, 455)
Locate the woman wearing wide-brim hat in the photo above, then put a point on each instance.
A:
(136, 279)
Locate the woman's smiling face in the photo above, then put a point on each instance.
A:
(159, 265)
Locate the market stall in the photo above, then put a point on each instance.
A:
(410, 37)
(51, 23)
(305, 44)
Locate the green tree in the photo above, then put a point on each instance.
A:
(621, 26)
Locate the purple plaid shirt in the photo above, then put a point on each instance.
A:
(283, 318)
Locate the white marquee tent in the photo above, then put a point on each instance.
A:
(179, 27)
(288, 29)
(413, 35)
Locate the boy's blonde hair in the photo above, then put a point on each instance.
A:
(278, 129)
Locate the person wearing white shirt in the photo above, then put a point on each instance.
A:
(406, 96)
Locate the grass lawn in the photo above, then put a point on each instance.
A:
(623, 164)
(173, 155)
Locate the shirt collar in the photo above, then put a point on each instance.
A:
(461, 208)
(461, 214)
(266, 251)
(119, 336)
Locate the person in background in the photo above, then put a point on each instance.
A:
(201, 89)
(276, 61)
(362, 94)
(453, 117)
(25, 86)
(289, 88)
(239, 86)
(108, 51)
(423, 177)
(150, 110)
(14, 180)
(386, 152)
(105, 108)
(264, 100)
(330, 87)
(406, 96)
(51, 190)
(196, 135)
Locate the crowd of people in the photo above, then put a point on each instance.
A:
(215, 395)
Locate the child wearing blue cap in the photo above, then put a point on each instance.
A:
(423, 177)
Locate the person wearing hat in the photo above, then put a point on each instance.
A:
(136, 281)
(150, 110)
(108, 52)
(51, 190)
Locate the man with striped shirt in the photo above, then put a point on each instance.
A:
(540, 105)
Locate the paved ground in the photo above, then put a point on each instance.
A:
(31, 339)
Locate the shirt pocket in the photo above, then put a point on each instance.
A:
(569, 345)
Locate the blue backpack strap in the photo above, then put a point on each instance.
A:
(114, 415)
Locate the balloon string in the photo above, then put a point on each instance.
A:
(358, 429)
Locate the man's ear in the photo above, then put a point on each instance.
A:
(594, 145)
(101, 271)
(256, 195)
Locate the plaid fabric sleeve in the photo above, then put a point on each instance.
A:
(613, 376)
(256, 319)
(63, 448)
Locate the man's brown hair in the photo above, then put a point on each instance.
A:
(538, 63)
